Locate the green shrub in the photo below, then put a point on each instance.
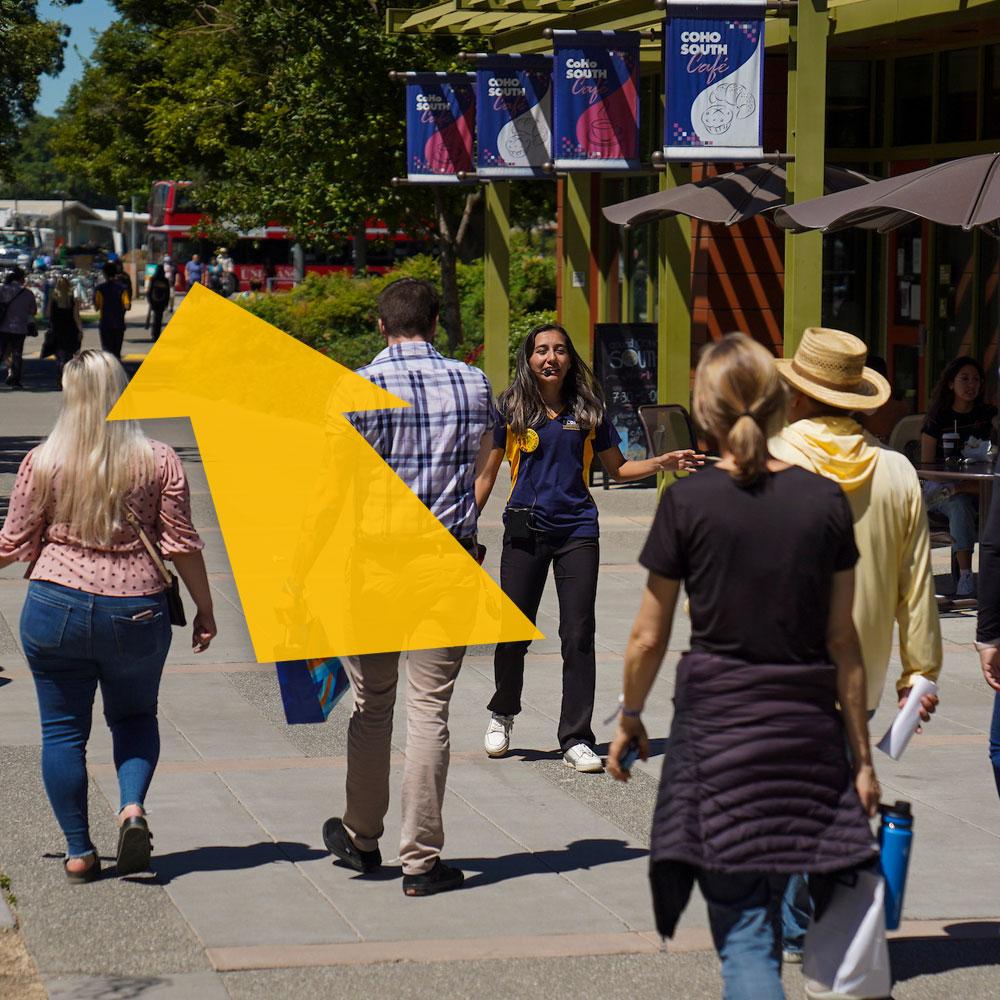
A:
(335, 313)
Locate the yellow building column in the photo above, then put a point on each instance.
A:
(574, 263)
(496, 291)
(806, 140)
(674, 299)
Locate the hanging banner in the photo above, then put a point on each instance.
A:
(596, 102)
(440, 118)
(514, 115)
(714, 74)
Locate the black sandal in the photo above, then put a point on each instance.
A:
(134, 846)
(87, 875)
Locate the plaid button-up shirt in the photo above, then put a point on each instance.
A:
(432, 446)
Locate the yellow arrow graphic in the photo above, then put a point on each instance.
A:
(332, 553)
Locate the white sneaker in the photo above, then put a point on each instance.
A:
(497, 739)
(583, 759)
(966, 584)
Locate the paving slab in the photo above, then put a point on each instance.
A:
(244, 901)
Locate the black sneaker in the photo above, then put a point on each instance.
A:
(338, 841)
(440, 878)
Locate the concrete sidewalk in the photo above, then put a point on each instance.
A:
(244, 901)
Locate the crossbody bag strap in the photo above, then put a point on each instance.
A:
(168, 577)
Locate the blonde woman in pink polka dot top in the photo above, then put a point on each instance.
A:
(96, 611)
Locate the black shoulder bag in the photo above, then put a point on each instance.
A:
(174, 603)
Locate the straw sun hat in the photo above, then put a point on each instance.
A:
(829, 366)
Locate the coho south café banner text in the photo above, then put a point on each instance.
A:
(513, 116)
(440, 119)
(596, 114)
(713, 75)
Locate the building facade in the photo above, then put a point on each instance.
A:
(902, 84)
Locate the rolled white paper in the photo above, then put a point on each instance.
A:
(906, 722)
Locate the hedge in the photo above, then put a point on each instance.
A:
(335, 313)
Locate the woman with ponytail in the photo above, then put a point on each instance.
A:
(554, 423)
(96, 613)
(756, 782)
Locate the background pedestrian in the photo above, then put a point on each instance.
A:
(65, 325)
(18, 306)
(158, 296)
(112, 301)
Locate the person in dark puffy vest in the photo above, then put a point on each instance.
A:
(756, 782)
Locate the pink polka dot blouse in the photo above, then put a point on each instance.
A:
(124, 568)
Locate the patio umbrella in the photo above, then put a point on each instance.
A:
(727, 198)
(962, 193)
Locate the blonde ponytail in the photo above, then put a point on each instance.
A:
(739, 402)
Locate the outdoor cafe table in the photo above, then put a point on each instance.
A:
(980, 473)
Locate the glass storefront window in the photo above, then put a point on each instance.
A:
(913, 84)
(848, 104)
(951, 318)
(988, 297)
(847, 270)
(878, 104)
(991, 101)
(957, 103)
(640, 270)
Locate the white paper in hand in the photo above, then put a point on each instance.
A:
(906, 722)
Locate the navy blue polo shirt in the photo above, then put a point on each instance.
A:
(551, 479)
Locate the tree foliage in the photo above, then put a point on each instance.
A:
(29, 48)
(280, 110)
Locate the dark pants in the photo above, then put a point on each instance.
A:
(524, 567)
(157, 315)
(111, 341)
(14, 344)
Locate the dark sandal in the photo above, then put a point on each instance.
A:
(134, 846)
(87, 875)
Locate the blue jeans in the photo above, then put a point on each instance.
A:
(960, 509)
(744, 912)
(995, 740)
(74, 641)
(796, 912)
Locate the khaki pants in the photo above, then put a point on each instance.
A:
(430, 680)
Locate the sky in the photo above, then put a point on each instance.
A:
(81, 18)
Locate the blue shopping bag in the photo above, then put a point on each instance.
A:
(311, 688)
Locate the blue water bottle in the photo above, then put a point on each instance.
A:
(895, 838)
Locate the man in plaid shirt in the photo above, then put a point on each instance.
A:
(437, 446)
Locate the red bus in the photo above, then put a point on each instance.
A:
(263, 254)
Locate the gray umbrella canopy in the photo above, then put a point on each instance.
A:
(727, 198)
(962, 193)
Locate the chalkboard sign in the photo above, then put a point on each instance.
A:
(625, 363)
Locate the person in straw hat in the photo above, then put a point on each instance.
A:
(828, 382)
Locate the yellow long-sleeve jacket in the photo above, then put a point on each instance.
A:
(893, 578)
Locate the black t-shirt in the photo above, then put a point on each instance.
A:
(977, 423)
(757, 561)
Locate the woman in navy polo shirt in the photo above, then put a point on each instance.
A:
(554, 424)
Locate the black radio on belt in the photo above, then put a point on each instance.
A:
(520, 524)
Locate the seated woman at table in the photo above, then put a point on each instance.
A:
(957, 406)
